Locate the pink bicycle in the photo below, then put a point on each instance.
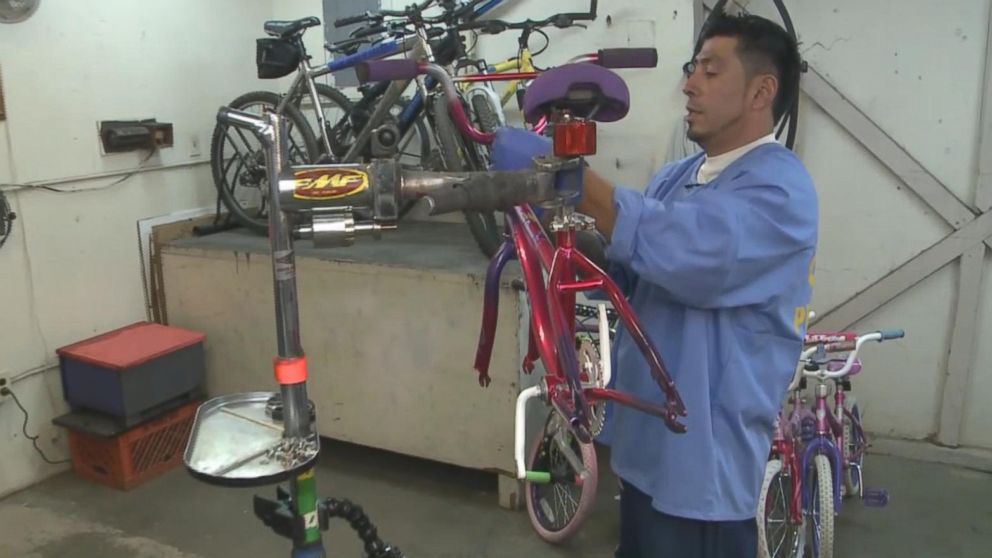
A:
(817, 454)
(560, 470)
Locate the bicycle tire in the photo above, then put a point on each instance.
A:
(488, 120)
(794, 538)
(482, 224)
(821, 499)
(255, 221)
(851, 441)
(542, 451)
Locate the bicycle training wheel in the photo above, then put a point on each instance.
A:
(237, 159)
(853, 443)
(558, 509)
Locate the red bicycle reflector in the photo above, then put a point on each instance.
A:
(575, 139)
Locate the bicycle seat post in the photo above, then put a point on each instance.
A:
(573, 138)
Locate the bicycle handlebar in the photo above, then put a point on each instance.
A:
(388, 70)
(627, 58)
(353, 19)
(395, 70)
(561, 21)
(363, 32)
(821, 371)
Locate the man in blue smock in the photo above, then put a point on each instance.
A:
(716, 259)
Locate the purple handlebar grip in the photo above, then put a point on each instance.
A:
(387, 70)
(628, 57)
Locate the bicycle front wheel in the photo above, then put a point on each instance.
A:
(778, 536)
(558, 509)
(238, 164)
(820, 485)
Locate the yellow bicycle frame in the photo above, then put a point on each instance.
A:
(522, 63)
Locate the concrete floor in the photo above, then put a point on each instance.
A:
(431, 510)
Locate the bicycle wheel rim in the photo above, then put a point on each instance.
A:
(785, 539)
(240, 174)
(576, 500)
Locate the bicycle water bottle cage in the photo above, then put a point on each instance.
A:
(586, 91)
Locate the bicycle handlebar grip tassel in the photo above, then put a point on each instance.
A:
(628, 57)
(387, 70)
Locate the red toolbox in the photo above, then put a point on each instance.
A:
(133, 373)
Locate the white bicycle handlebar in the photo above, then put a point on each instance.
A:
(822, 373)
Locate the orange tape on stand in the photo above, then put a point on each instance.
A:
(290, 370)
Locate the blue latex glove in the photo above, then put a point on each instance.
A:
(516, 148)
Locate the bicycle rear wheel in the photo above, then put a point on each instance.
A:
(237, 159)
(459, 157)
(558, 509)
(778, 537)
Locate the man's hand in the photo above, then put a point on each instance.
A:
(515, 149)
(597, 202)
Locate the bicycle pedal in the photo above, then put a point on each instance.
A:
(876, 497)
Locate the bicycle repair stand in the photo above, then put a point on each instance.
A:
(263, 438)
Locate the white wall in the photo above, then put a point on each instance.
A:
(916, 69)
(71, 267)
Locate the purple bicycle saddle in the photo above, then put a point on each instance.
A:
(583, 88)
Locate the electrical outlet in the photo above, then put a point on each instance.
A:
(5, 382)
(194, 147)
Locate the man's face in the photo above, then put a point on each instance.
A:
(716, 91)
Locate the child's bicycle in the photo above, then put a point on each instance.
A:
(817, 453)
(561, 467)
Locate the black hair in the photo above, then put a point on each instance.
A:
(762, 45)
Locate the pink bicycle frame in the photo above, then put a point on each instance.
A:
(552, 336)
(553, 321)
(784, 446)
